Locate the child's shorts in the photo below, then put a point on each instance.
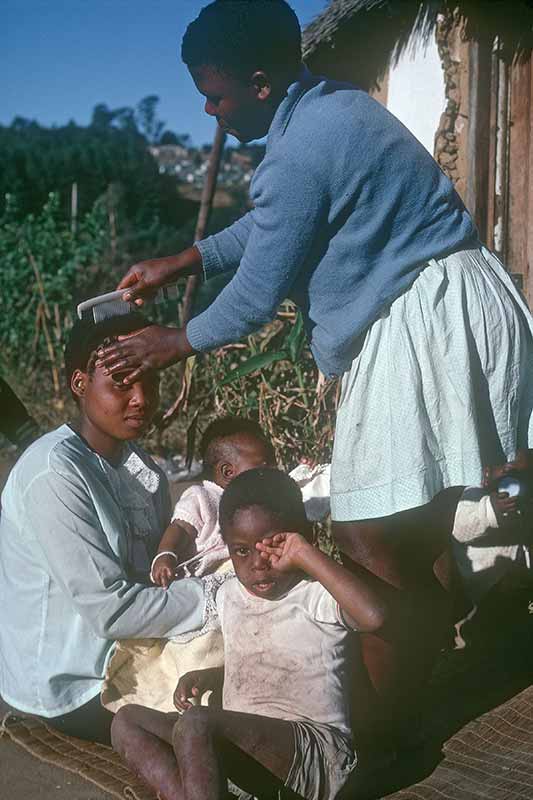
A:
(324, 758)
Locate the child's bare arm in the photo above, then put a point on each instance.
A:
(358, 594)
(178, 538)
(177, 544)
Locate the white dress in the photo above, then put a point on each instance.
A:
(442, 386)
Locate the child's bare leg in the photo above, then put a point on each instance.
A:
(143, 738)
(257, 752)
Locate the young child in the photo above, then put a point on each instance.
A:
(286, 619)
(229, 446)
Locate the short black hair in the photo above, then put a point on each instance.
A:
(215, 443)
(240, 36)
(267, 488)
(85, 336)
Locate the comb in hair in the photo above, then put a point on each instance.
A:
(111, 304)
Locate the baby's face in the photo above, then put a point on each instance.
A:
(247, 452)
(249, 526)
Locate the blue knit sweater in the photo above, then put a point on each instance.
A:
(347, 208)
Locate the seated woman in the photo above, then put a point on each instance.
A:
(82, 514)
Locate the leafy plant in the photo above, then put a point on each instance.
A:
(271, 377)
(44, 267)
(291, 351)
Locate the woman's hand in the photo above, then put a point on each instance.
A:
(194, 684)
(285, 551)
(145, 278)
(150, 348)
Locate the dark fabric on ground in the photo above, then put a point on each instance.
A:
(91, 722)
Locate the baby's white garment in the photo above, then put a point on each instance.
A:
(198, 506)
(480, 547)
(285, 658)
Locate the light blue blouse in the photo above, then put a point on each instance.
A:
(76, 534)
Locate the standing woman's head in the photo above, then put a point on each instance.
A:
(110, 412)
(242, 55)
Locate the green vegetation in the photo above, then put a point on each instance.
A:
(126, 210)
(112, 150)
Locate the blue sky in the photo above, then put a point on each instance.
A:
(59, 58)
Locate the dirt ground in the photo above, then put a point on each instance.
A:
(23, 777)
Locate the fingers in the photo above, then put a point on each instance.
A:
(134, 280)
(180, 699)
(269, 541)
(128, 354)
(109, 355)
(268, 550)
(163, 576)
(113, 361)
(187, 687)
(134, 295)
(131, 278)
(507, 508)
(264, 546)
(131, 297)
(125, 336)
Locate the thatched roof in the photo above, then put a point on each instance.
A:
(377, 29)
(324, 28)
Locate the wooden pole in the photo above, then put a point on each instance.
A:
(191, 287)
(206, 205)
(74, 207)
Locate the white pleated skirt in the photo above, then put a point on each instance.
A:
(443, 385)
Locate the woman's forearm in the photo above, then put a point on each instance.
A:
(182, 265)
(148, 276)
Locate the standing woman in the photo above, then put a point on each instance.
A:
(354, 221)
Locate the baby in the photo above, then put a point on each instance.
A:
(229, 446)
(492, 547)
(490, 533)
(286, 620)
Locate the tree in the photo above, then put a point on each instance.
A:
(146, 116)
(181, 139)
(102, 116)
